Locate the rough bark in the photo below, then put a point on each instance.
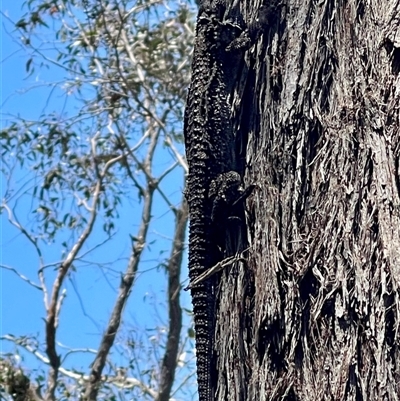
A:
(315, 312)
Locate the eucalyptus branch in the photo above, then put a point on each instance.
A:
(87, 42)
(14, 221)
(52, 309)
(170, 359)
(118, 381)
(127, 280)
(149, 178)
(21, 276)
(90, 158)
(179, 158)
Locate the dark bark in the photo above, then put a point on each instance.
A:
(314, 314)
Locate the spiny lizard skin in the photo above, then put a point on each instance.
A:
(209, 152)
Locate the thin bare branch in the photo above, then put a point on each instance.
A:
(14, 221)
(20, 275)
(215, 269)
(179, 158)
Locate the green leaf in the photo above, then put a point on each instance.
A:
(21, 24)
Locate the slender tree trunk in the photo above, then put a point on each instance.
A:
(314, 313)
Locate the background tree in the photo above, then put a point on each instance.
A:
(314, 313)
(98, 175)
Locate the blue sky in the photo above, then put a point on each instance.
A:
(90, 293)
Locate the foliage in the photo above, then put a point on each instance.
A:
(107, 147)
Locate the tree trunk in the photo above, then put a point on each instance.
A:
(314, 314)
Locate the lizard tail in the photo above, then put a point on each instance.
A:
(203, 310)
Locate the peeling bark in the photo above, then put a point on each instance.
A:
(314, 314)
